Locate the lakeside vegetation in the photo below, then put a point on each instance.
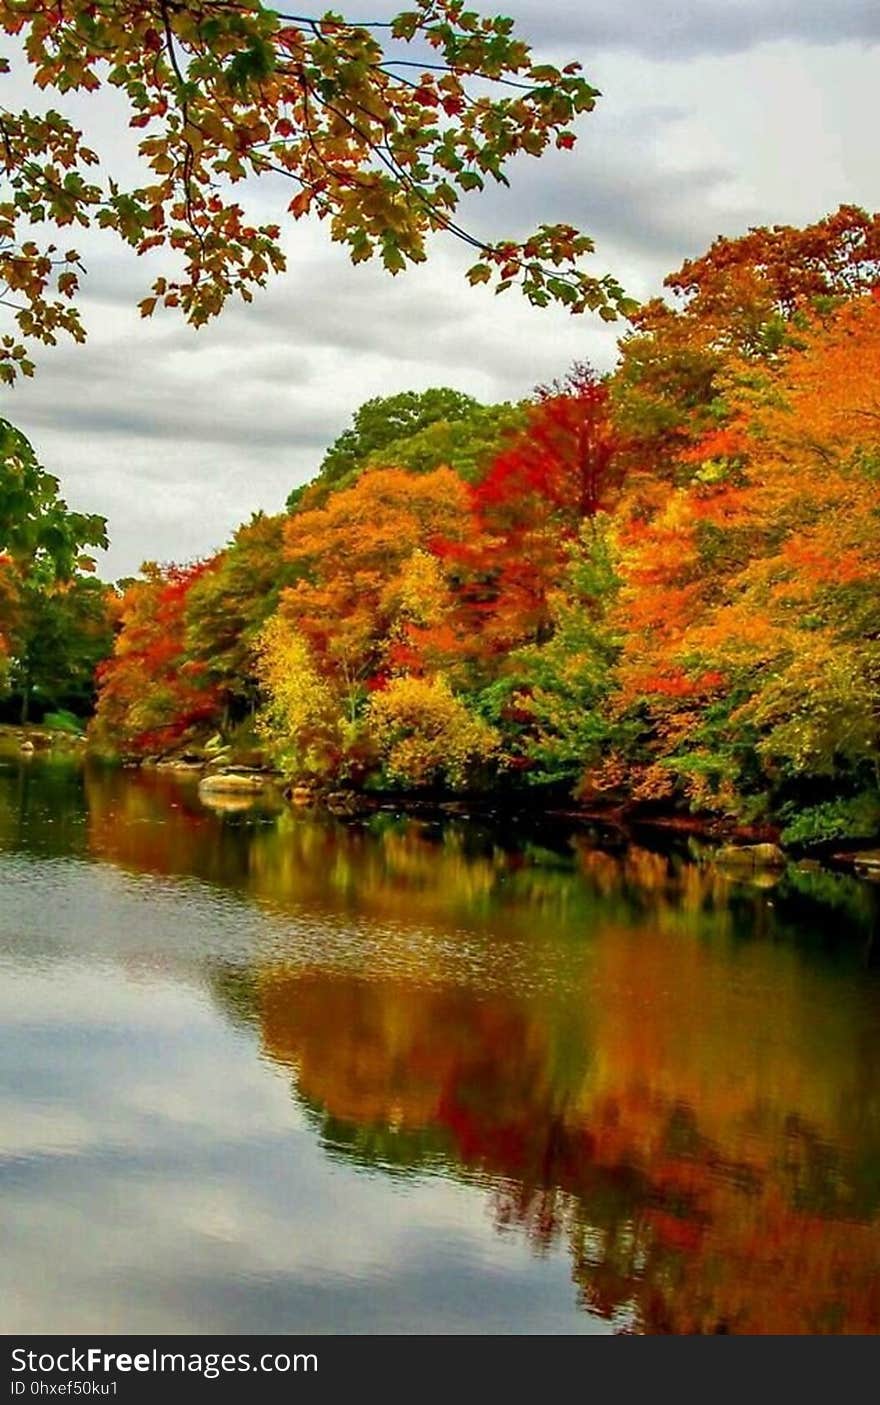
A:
(658, 588)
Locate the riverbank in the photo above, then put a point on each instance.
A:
(29, 739)
(731, 844)
(230, 785)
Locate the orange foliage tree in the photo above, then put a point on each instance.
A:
(745, 298)
(367, 584)
(752, 597)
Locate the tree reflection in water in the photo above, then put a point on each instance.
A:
(674, 1073)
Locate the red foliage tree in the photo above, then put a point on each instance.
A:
(560, 471)
(151, 696)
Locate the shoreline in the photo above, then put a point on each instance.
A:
(737, 847)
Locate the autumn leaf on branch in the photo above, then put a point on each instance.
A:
(381, 127)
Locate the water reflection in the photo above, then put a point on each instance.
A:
(706, 1147)
(666, 1076)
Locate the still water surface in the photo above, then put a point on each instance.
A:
(262, 1072)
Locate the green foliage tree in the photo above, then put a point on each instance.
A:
(53, 628)
(228, 605)
(466, 444)
(37, 528)
(561, 693)
(65, 631)
(416, 429)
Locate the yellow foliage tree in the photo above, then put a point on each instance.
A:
(426, 735)
(301, 718)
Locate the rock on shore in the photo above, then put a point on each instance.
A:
(751, 856)
(233, 783)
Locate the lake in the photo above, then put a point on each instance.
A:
(265, 1072)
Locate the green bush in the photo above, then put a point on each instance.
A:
(856, 818)
(63, 721)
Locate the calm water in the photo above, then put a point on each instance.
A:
(261, 1072)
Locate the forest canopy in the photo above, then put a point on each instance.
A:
(656, 588)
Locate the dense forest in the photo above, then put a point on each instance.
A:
(658, 587)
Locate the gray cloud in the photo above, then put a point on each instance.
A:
(622, 190)
(175, 404)
(178, 436)
(676, 29)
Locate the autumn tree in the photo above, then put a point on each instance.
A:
(302, 717)
(426, 736)
(359, 566)
(751, 599)
(380, 128)
(368, 614)
(227, 606)
(776, 272)
(152, 697)
(557, 472)
(744, 299)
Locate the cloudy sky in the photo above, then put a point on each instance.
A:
(716, 114)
